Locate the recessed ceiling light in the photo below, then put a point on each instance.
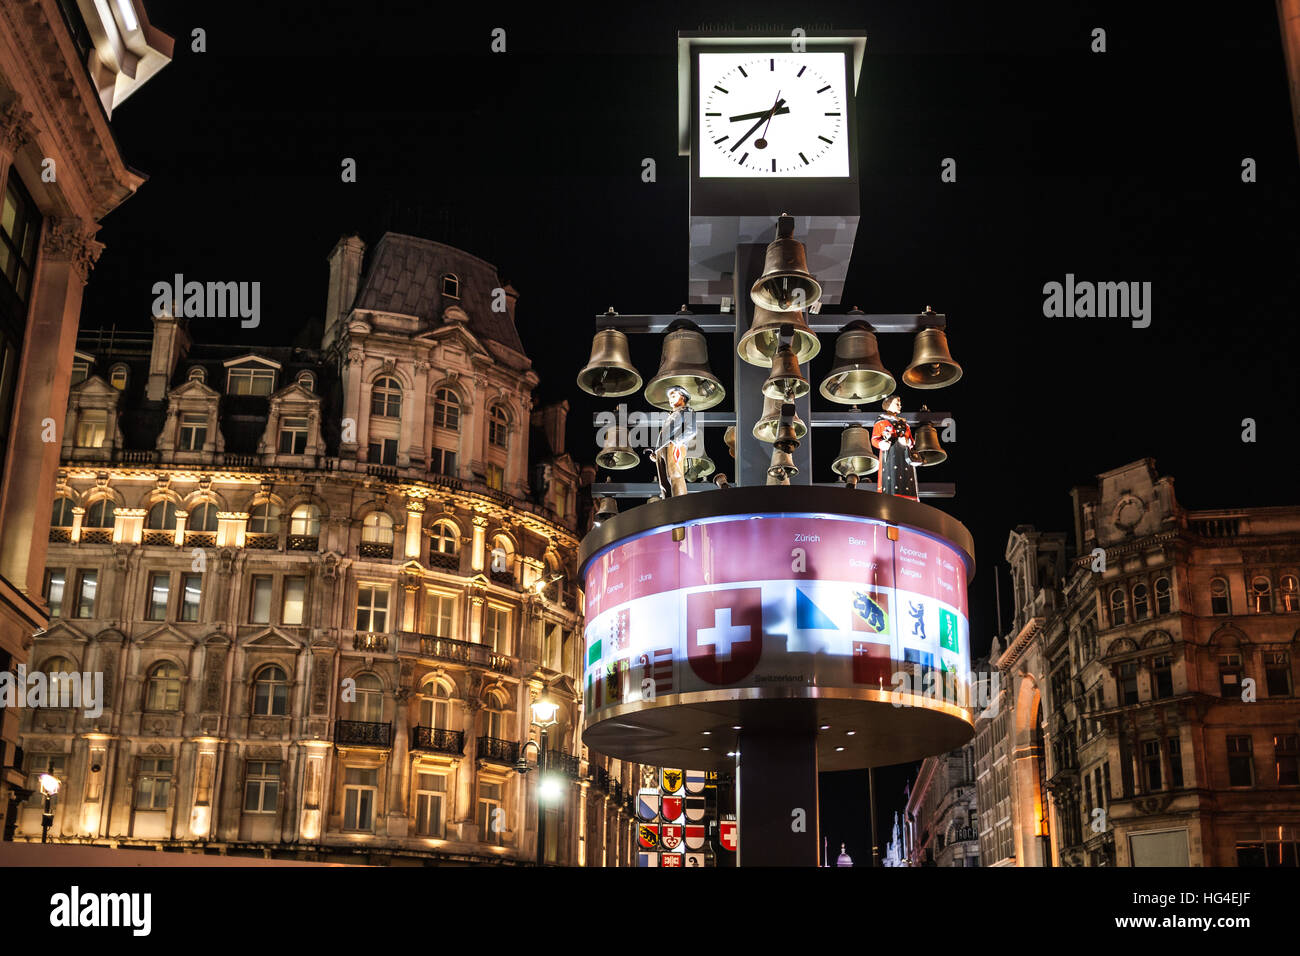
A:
(733, 753)
(735, 726)
(826, 726)
(838, 749)
(706, 732)
(704, 748)
(852, 732)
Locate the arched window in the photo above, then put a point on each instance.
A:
(305, 521)
(198, 374)
(164, 691)
(162, 517)
(100, 514)
(1164, 596)
(369, 705)
(307, 380)
(377, 527)
(264, 518)
(1219, 603)
(202, 518)
(1290, 592)
(502, 550)
(1261, 594)
(271, 692)
(60, 688)
(498, 424)
(446, 409)
(61, 515)
(386, 398)
(444, 538)
(451, 286)
(1141, 602)
(1117, 607)
(494, 716)
(435, 705)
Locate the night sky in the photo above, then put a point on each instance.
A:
(1122, 166)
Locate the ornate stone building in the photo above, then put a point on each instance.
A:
(65, 65)
(324, 586)
(1151, 679)
(941, 814)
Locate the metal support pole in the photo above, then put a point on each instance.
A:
(875, 842)
(541, 813)
(776, 797)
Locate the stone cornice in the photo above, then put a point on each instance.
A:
(1017, 647)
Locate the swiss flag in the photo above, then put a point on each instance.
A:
(724, 633)
(872, 664)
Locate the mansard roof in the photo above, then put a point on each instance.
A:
(405, 277)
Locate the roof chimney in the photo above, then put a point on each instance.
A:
(171, 343)
(345, 277)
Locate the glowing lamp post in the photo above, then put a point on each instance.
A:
(545, 713)
(49, 789)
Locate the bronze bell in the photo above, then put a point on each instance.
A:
(759, 345)
(609, 372)
(617, 455)
(606, 508)
(782, 468)
(787, 381)
(697, 469)
(765, 428)
(786, 285)
(932, 366)
(858, 376)
(729, 438)
(685, 364)
(856, 456)
(926, 449)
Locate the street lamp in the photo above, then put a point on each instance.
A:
(545, 717)
(49, 788)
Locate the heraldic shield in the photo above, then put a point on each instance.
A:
(673, 780)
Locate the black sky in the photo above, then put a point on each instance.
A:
(1117, 166)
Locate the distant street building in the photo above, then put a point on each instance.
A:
(941, 811)
(65, 65)
(1149, 679)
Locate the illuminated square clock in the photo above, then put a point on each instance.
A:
(768, 122)
(775, 114)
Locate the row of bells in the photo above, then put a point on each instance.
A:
(856, 456)
(857, 376)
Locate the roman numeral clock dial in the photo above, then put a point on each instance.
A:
(772, 115)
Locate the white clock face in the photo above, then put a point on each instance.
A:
(777, 114)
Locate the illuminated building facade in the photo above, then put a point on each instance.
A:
(324, 586)
(65, 65)
(1151, 686)
(941, 812)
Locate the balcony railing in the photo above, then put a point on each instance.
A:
(464, 652)
(601, 778)
(101, 536)
(438, 741)
(60, 535)
(261, 542)
(370, 642)
(561, 762)
(240, 461)
(200, 539)
(446, 562)
(387, 472)
(137, 457)
(498, 750)
(362, 733)
(162, 538)
(376, 549)
(303, 542)
(502, 577)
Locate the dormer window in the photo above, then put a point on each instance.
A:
(250, 380)
(117, 377)
(198, 374)
(451, 286)
(92, 428)
(194, 432)
(307, 380)
(80, 371)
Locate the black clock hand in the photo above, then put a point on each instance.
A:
(761, 142)
(766, 117)
(763, 113)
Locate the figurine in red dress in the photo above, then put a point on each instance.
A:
(892, 436)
